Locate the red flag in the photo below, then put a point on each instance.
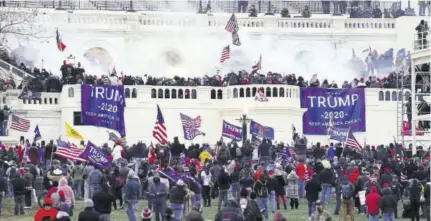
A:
(60, 45)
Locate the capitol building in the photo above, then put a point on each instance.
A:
(167, 43)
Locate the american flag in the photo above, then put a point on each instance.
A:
(191, 126)
(68, 151)
(353, 143)
(159, 132)
(232, 24)
(258, 65)
(19, 124)
(225, 54)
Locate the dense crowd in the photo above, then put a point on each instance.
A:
(43, 81)
(250, 181)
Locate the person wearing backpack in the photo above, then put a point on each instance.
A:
(347, 191)
(95, 181)
(261, 189)
(312, 189)
(77, 178)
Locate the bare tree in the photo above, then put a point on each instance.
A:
(20, 24)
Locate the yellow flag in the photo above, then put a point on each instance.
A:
(70, 132)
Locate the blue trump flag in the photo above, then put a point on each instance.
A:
(338, 134)
(103, 106)
(231, 131)
(37, 135)
(261, 131)
(346, 107)
(96, 156)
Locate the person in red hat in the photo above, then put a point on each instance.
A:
(372, 202)
(146, 214)
(47, 212)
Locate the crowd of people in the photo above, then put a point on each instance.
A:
(43, 81)
(250, 181)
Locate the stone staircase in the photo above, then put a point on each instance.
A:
(8, 70)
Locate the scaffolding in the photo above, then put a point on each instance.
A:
(416, 103)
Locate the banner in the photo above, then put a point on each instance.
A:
(103, 106)
(338, 134)
(261, 131)
(191, 126)
(231, 131)
(346, 107)
(96, 156)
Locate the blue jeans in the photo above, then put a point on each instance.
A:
(236, 188)
(77, 187)
(373, 217)
(272, 201)
(388, 217)
(132, 205)
(337, 204)
(197, 198)
(262, 202)
(311, 207)
(1, 199)
(94, 189)
(301, 186)
(325, 194)
(177, 209)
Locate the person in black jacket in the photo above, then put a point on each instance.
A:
(387, 204)
(234, 180)
(261, 188)
(415, 192)
(326, 179)
(427, 199)
(177, 197)
(312, 189)
(3, 187)
(18, 184)
(252, 212)
(223, 184)
(231, 212)
(88, 214)
(103, 201)
(264, 151)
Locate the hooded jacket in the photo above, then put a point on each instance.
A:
(353, 176)
(387, 203)
(69, 196)
(372, 201)
(231, 212)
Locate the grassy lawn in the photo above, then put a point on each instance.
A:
(209, 213)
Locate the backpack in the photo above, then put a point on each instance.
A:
(346, 191)
(55, 197)
(12, 172)
(246, 173)
(264, 190)
(119, 182)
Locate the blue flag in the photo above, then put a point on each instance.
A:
(27, 94)
(262, 131)
(37, 135)
(338, 134)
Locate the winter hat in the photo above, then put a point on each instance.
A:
(180, 182)
(385, 185)
(146, 213)
(88, 203)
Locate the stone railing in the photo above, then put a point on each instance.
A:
(132, 21)
(16, 72)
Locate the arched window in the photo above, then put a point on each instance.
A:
(45, 101)
(268, 92)
(180, 94)
(241, 92)
(4, 100)
(394, 96)
(213, 94)
(219, 94)
(24, 101)
(381, 96)
(247, 92)
(134, 93)
(174, 94)
(127, 93)
(160, 93)
(167, 94)
(153, 93)
(194, 94)
(387, 96)
(187, 93)
(281, 92)
(50, 100)
(235, 92)
(274, 92)
(400, 95)
(254, 92)
(71, 92)
(55, 101)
